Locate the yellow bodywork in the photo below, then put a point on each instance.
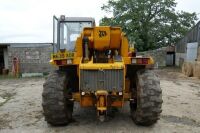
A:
(101, 39)
(90, 65)
(111, 38)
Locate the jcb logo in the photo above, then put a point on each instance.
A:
(102, 33)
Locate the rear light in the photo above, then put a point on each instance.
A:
(145, 61)
(63, 62)
(134, 61)
(120, 93)
(58, 62)
(82, 93)
(139, 61)
(69, 61)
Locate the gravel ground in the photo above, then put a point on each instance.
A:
(21, 111)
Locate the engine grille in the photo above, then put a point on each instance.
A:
(92, 80)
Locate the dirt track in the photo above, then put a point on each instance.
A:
(21, 109)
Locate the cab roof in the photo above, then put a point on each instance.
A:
(82, 19)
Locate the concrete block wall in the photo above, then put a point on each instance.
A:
(180, 58)
(32, 59)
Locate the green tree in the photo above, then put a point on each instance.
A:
(149, 23)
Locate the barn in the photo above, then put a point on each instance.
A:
(188, 48)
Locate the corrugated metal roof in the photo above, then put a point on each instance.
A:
(4, 44)
(79, 19)
(25, 44)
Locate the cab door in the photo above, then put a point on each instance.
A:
(55, 34)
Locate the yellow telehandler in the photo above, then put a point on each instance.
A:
(98, 68)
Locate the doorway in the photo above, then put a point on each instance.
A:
(170, 61)
(2, 65)
(3, 58)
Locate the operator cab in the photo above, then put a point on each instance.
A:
(67, 29)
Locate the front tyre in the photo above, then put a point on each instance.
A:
(56, 106)
(147, 108)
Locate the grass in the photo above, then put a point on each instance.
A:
(7, 77)
(10, 76)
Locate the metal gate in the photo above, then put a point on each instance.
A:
(170, 59)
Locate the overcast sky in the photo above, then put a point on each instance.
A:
(31, 20)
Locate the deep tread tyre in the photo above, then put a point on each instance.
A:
(146, 111)
(57, 108)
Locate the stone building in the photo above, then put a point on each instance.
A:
(164, 56)
(188, 48)
(33, 57)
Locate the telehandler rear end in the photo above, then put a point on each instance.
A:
(98, 68)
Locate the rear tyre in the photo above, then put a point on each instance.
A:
(55, 101)
(146, 109)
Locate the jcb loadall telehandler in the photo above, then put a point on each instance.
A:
(97, 67)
